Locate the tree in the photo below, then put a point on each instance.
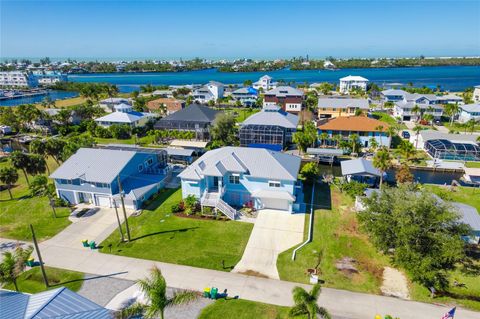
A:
(403, 174)
(306, 137)
(8, 176)
(354, 143)
(36, 164)
(323, 137)
(20, 161)
(306, 303)
(27, 113)
(470, 125)
(120, 131)
(452, 110)
(155, 288)
(406, 149)
(382, 161)
(325, 88)
(417, 129)
(373, 144)
(247, 83)
(13, 264)
(416, 109)
(39, 186)
(310, 172)
(311, 101)
(421, 233)
(429, 118)
(224, 130)
(54, 148)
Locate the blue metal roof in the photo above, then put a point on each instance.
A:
(60, 303)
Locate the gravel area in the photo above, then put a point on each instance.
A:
(101, 289)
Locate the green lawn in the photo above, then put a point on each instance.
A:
(242, 113)
(244, 309)
(472, 164)
(31, 281)
(387, 118)
(159, 235)
(460, 127)
(420, 159)
(466, 195)
(16, 215)
(142, 141)
(336, 234)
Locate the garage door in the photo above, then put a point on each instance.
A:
(274, 203)
(103, 201)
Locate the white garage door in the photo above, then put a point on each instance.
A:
(103, 201)
(274, 203)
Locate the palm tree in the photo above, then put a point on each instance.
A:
(417, 129)
(13, 265)
(379, 128)
(416, 109)
(470, 125)
(452, 110)
(155, 288)
(373, 144)
(323, 138)
(306, 303)
(382, 161)
(9, 176)
(354, 142)
(406, 149)
(429, 118)
(20, 161)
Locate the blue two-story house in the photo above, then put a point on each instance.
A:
(238, 176)
(99, 176)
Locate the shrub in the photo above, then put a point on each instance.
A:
(207, 210)
(353, 188)
(176, 208)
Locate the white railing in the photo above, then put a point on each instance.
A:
(228, 210)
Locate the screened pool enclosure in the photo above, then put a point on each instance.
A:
(448, 150)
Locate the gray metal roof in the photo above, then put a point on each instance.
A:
(193, 113)
(284, 91)
(343, 102)
(60, 303)
(179, 151)
(124, 117)
(394, 92)
(469, 215)
(471, 107)
(324, 151)
(359, 166)
(436, 135)
(273, 116)
(94, 165)
(255, 162)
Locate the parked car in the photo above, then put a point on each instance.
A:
(406, 134)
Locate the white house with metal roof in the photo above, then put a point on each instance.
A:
(353, 82)
(92, 175)
(360, 170)
(209, 92)
(265, 83)
(469, 112)
(125, 115)
(231, 177)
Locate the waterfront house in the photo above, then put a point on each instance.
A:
(338, 106)
(469, 112)
(265, 83)
(353, 82)
(476, 94)
(163, 93)
(237, 176)
(393, 95)
(246, 95)
(405, 110)
(74, 118)
(109, 104)
(360, 170)
(445, 146)
(195, 118)
(125, 115)
(364, 127)
(287, 97)
(170, 105)
(18, 79)
(48, 78)
(449, 99)
(210, 92)
(270, 128)
(60, 303)
(92, 175)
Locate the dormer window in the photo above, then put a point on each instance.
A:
(274, 184)
(234, 179)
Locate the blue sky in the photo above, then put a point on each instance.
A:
(215, 29)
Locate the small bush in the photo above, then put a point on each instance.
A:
(207, 210)
(353, 188)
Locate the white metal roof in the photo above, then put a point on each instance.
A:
(343, 102)
(263, 193)
(359, 166)
(354, 78)
(272, 115)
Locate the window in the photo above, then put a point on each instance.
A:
(140, 167)
(234, 179)
(274, 184)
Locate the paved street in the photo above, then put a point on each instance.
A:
(273, 233)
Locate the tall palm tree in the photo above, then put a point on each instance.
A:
(13, 264)
(353, 142)
(323, 137)
(9, 176)
(470, 125)
(452, 110)
(406, 149)
(382, 161)
(417, 129)
(379, 128)
(155, 288)
(306, 303)
(416, 109)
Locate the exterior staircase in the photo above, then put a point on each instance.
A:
(214, 200)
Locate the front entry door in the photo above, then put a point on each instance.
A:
(215, 182)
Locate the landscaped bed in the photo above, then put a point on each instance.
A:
(158, 234)
(31, 281)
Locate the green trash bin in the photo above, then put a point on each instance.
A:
(206, 292)
(30, 262)
(213, 293)
(92, 245)
(85, 243)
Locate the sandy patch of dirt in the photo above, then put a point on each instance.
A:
(394, 283)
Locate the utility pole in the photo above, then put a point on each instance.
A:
(52, 204)
(44, 274)
(123, 207)
(118, 220)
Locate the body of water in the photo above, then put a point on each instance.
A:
(54, 95)
(451, 78)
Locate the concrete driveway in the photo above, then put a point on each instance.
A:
(96, 227)
(274, 232)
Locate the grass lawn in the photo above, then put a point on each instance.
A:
(387, 118)
(242, 113)
(31, 281)
(420, 159)
(472, 164)
(466, 195)
(244, 309)
(143, 141)
(16, 215)
(336, 234)
(460, 127)
(159, 235)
